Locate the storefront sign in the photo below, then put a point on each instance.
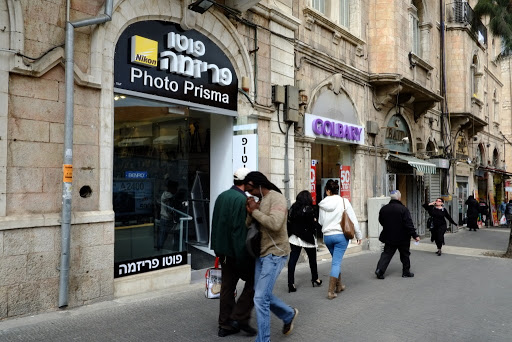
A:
(159, 60)
(135, 174)
(345, 182)
(325, 128)
(312, 180)
(245, 152)
(126, 268)
(397, 136)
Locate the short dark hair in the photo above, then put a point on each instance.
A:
(332, 186)
(439, 198)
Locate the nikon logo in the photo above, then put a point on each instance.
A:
(144, 51)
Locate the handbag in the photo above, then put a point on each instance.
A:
(213, 281)
(253, 240)
(347, 226)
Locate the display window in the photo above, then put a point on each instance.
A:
(160, 179)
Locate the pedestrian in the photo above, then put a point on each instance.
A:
(508, 212)
(331, 209)
(228, 241)
(502, 208)
(439, 214)
(271, 214)
(472, 213)
(397, 230)
(302, 228)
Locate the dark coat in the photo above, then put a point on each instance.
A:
(302, 223)
(473, 207)
(397, 225)
(439, 216)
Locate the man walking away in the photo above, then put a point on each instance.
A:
(228, 241)
(397, 230)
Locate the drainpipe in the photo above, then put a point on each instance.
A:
(68, 145)
(286, 179)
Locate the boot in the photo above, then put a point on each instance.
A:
(339, 285)
(332, 285)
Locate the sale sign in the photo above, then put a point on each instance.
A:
(345, 182)
(312, 180)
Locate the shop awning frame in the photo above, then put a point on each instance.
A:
(490, 169)
(419, 164)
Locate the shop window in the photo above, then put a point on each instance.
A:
(160, 178)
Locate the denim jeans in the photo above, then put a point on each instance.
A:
(266, 272)
(337, 245)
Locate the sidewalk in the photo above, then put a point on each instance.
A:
(460, 296)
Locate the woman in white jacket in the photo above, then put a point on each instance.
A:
(331, 209)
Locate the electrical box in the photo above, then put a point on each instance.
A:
(291, 104)
(372, 127)
(278, 94)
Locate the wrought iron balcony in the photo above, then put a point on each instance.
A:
(460, 12)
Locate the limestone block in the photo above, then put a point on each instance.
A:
(87, 97)
(42, 265)
(17, 242)
(89, 287)
(13, 269)
(22, 299)
(42, 240)
(57, 133)
(22, 180)
(86, 156)
(3, 302)
(32, 154)
(34, 88)
(36, 109)
(48, 293)
(83, 135)
(277, 166)
(96, 257)
(1, 243)
(108, 234)
(85, 115)
(127, 10)
(52, 181)
(34, 203)
(91, 235)
(28, 130)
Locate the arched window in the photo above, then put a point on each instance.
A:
(495, 158)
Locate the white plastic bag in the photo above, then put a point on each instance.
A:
(503, 220)
(213, 281)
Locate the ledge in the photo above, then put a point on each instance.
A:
(54, 219)
(312, 17)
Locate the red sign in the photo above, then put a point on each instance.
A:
(312, 179)
(345, 182)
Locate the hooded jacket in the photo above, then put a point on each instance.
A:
(331, 209)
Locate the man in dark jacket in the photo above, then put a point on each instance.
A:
(397, 230)
(228, 241)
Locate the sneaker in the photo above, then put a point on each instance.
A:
(223, 332)
(407, 274)
(288, 327)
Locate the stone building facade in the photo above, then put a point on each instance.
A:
(154, 143)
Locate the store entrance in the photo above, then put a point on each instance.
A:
(161, 178)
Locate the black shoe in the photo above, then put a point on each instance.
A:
(288, 327)
(317, 282)
(292, 288)
(250, 331)
(407, 274)
(226, 332)
(438, 252)
(379, 274)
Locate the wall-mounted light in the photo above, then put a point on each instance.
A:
(201, 6)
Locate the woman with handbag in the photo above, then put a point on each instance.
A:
(440, 214)
(302, 227)
(332, 208)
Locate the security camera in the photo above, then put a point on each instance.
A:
(405, 140)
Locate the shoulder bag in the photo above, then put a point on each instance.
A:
(253, 240)
(347, 226)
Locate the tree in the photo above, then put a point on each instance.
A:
(500, 20)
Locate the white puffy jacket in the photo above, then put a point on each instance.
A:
(331, 209)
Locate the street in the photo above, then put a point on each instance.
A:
(459, 296)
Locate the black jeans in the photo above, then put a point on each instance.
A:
(292, 262)
(229, 308)
(387, 255)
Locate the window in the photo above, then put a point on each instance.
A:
(345, 13)
(415, 28)
(496, 107)
(319, 5)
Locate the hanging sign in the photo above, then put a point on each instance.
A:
(345, 182)
(312, 180)
(245, 151)
(159, 60)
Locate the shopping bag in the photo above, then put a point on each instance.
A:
(503, 220)
(213, 281)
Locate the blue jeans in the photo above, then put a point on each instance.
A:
(337, 245)
(266, 272)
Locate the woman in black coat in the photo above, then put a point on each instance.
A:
(439, 214)
(302, 226)
(473, 211)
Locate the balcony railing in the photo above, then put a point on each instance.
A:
(461, 12)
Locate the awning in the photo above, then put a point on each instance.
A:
(498, 171)
(419, 164)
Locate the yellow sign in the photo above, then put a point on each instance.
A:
(144, 51)
(67, 170)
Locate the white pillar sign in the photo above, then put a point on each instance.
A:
(245, 152)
